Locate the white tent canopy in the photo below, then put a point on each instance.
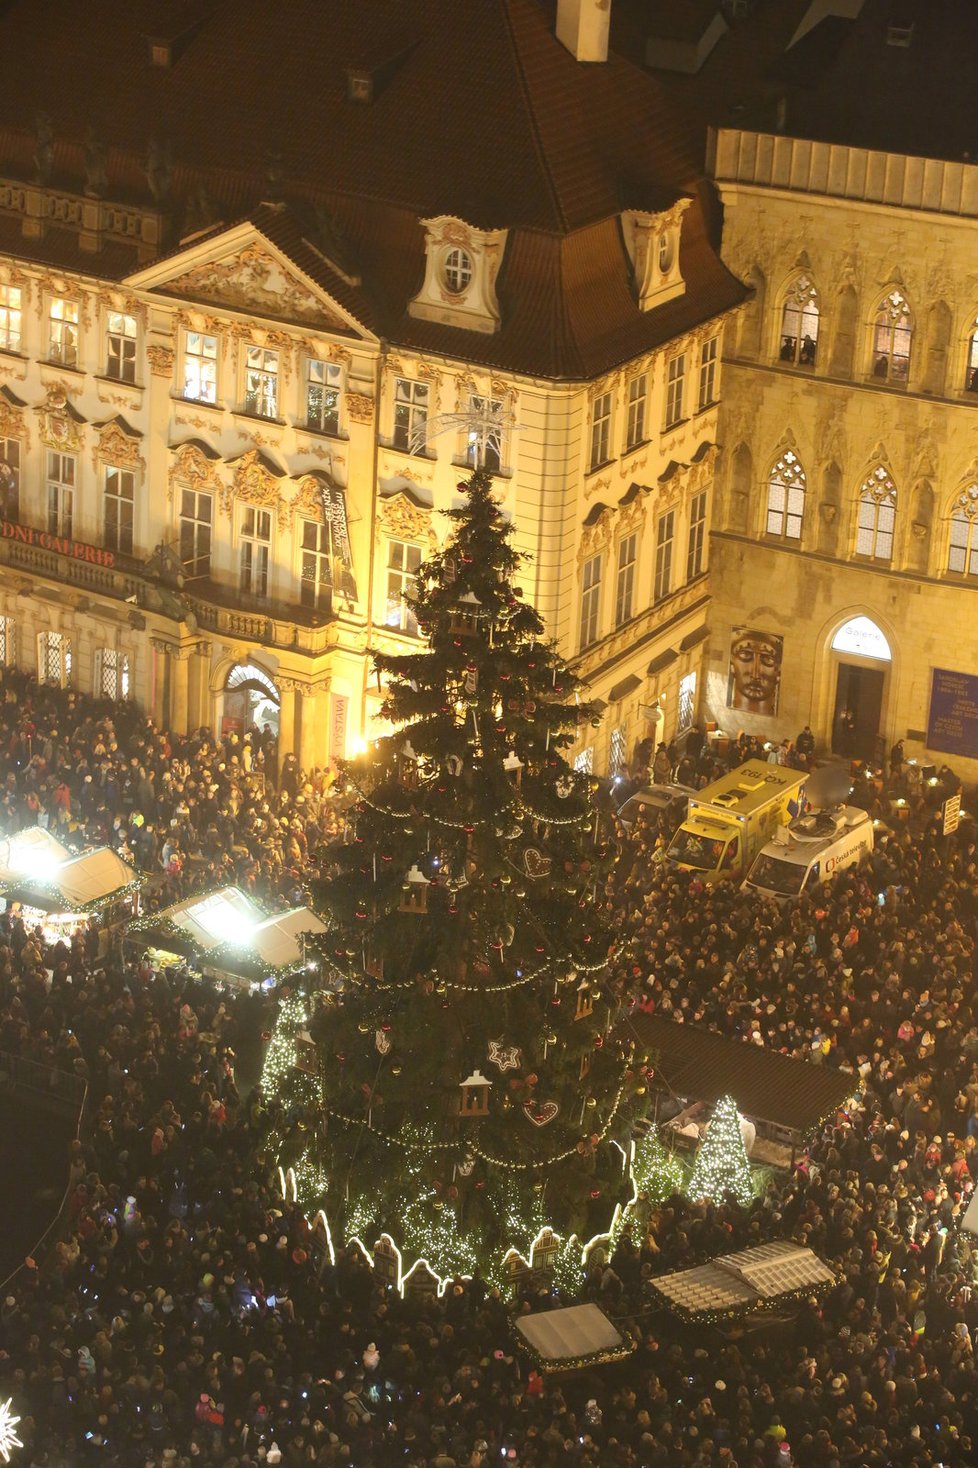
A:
(744, 1280)
(562, 1340)
(31, 854)
(230, 918)
(92, 876)
(32, 861)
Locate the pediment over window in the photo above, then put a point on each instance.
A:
(243, 271)
(461, 265)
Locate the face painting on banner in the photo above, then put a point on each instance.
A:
(754, 675)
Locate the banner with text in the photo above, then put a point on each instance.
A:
(952, 721)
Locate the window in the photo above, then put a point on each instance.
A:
(256, 540)
(410, 416)
(892, 335)
(120, 487)
(664, 532)
(638, 391)
(7, 644)
(600, 430)
(625, 586)
(877, 516)
(584, 761)
(619, 749)
(121, 340)
(675, 380)
(322, 396)
(316, 573)
(111, 674)
(799, 324)
(708, 372)
(971, 375)
(53, 658)
(667, 251)
(63, 332)
(697, 535)
(962, 554)
(200, 367)
(261, 382)
(786, 497)
(687, 701)
(196, 521)
(590, 600)
(484, 440)
(403, 565)
(457, 271)
(10, 478)
(11, 317)
(61, 492)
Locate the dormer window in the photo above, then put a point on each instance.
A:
(457, 272)
(460, 277)
(652, 241)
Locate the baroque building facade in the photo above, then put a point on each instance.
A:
(844, 542)
(234, 399)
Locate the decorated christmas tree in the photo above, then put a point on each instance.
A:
(721, 1165)
(469, 1076)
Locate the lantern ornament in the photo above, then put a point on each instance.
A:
(474, 1097)
(513, 766)
(414, 892)
(585, 1001)
(464, 615)
(305, 1053)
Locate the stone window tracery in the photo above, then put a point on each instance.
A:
(786, 497)
(800, 320)
(877, 516)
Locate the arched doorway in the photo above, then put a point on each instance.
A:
(862, 659)
(251, 700)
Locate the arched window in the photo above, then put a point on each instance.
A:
(971, 373)
(799, 324)
(892, 334)
(962, 549)
(877, 516)
(786, 497)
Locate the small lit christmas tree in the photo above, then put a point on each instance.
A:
(656, 1172)
(721, 1165)
(470, 1070)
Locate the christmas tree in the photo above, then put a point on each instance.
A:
(721, 1165)
(468, 1071)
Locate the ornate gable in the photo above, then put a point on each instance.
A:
(253, 280)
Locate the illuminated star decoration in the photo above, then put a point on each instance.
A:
(507, 1057)
(8, 1438)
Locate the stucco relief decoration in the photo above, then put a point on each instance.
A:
(432, 376)
(399, 518)
(465, 387)
(118, 301)
(308, 502)
(117, 444)
(191, 466)
(360, 407)
(62, 285)
(59, 422)
(597, 534)
(255, 484)
(12, 421)
(161, 360)
(253, 280)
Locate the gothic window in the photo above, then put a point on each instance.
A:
(962, 551)
(877, 516)
(786, 497)
(892, 335)
(799, 324)
(971, 374)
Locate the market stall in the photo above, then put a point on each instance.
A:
(227, 935)
(61, 892)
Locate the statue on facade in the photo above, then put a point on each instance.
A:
(159, 170)
(43, 148)
(96, 166)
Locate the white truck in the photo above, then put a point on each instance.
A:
(810, 848)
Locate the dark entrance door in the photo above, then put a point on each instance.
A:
(856, 721)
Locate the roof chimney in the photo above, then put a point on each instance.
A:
(582, 26)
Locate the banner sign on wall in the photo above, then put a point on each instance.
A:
(952, 721)
(334, 513)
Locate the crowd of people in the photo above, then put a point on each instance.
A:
(189, 1314)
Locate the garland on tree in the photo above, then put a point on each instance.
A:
(469, 1067)
(721, 1164)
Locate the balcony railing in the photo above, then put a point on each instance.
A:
(216, 608)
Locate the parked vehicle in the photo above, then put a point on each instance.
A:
(728, 823)
(812, 847)
(671, 800)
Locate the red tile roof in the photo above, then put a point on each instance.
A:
(478, 112)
